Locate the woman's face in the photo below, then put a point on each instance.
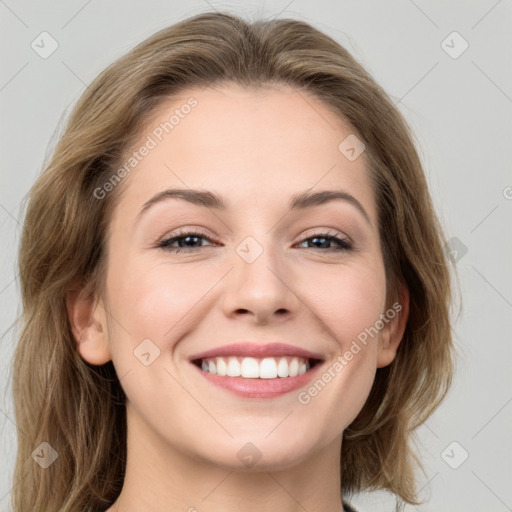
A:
(255, 272)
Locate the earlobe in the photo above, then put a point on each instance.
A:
(393, 331)
(88, 325)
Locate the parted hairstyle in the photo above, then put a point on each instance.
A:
(79, 408)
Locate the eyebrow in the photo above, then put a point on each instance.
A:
(300, 201)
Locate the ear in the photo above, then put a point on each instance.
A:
(88, 323)
(393, 330)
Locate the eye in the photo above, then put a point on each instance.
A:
(183, 238)
(326, 238)
(190, 241)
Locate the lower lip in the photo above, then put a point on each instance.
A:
(260, 388)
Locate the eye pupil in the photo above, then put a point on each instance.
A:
(187, 238)
(320, 238)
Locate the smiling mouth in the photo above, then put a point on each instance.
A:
(256, 368)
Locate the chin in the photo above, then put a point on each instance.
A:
(258, 453)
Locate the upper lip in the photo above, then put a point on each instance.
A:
(258, 350)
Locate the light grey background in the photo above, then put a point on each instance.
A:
(460, 110)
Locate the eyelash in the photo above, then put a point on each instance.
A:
(344, 244)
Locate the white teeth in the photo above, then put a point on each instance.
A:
(268, 368)
(253, 368)
(282, 367)
(222, 367)
(293, 368)
(233, 367)
(250, 368)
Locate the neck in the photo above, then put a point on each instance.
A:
(160, 477)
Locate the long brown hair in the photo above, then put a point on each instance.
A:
(78, 408)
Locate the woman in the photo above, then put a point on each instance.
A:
(234, 286)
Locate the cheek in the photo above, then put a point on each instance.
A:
(157, 301)
(349, 301)
(152, 306)
(349, 306)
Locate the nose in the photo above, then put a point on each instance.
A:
(262, 289)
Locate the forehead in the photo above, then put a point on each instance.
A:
(251, 145)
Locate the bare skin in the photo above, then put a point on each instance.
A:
(256, 149)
